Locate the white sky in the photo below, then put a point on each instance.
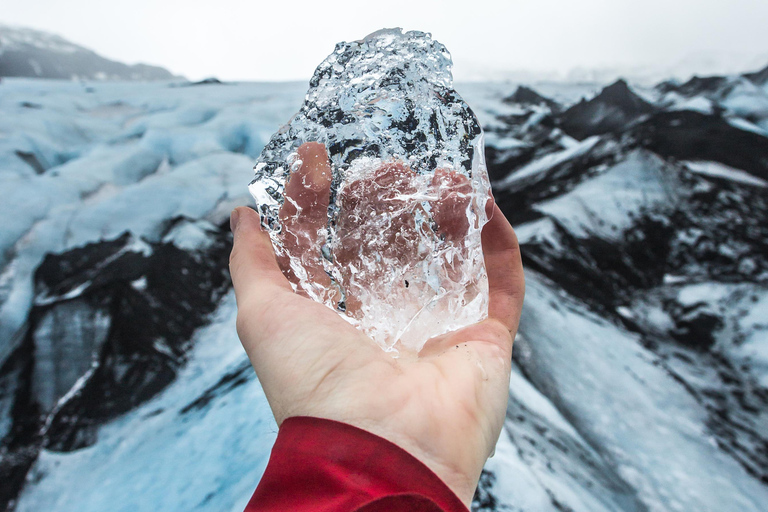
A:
(285, 40)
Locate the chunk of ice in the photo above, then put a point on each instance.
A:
(384, 227)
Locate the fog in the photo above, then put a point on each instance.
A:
(285, 40)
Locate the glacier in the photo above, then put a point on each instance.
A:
(640, 371)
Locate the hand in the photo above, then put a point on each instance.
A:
(445, 405)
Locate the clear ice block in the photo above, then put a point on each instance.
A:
(385, 227)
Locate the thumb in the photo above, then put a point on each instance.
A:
(256, 276)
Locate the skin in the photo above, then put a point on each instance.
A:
(444, 405)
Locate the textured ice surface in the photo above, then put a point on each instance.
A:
(389, 235)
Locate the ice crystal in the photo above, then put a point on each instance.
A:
(384, 227)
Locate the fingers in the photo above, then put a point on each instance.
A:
(304, 215)
(252, 263)
(307, 192)
(375, 229)
(450, 209)
(506, 282)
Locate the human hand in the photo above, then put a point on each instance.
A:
(445, 405)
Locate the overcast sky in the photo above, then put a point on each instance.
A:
(285, 40)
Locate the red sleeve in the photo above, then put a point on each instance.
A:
(319, 465)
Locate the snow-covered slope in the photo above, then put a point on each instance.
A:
(744, 98)
(641, 365)
(132, 214)
(200, 445)
(26, 52)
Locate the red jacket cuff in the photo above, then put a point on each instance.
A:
(320, 465)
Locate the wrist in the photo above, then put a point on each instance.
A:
(462, 481)
(316, 460)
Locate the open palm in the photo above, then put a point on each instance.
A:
(445, 405)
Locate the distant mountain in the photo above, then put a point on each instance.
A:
(712, 87)
(615, 107)
(32, 53)
(696, 85)
(758, 77)
(527, 96)
(742, 98)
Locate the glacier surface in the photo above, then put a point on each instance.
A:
(640, 368)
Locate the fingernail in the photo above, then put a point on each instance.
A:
(489, 206)
(234, 217)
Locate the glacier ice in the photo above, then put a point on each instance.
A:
(374, 193)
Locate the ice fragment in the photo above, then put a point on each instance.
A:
(385, 226)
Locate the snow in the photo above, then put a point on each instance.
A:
(609, 203)
(191, 236)
(595, 423)
(696, 104)
(485, 97)
(695, 293)
(746, 99)
(743, 124)
(745, 310)
(13, 37)
(718, 170)
(548, 162)
(493, 139)
(755, 351)
(532, 399)
(126, 157)
(529, 479)
(485, 100)
(540, 230)
(652, 430)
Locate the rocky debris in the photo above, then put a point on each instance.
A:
(741, 99)
(484, 500)
(688, 135)
(695, 326)
(212, 80)
(550, 176)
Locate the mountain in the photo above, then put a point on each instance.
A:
(526, 96)
(640, 375)
(658, 229)
(742, 98)
(614, 108)
(25, 52)
(696, 85)
(758, 77)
